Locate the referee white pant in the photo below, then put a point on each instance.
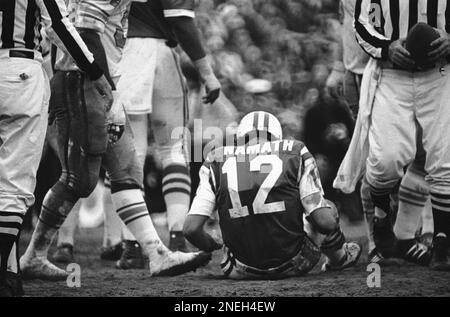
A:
(24, 97)
(403, 101)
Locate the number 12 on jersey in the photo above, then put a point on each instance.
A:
(259, 203)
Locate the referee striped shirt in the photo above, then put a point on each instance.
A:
(380, 22)
(20, 23)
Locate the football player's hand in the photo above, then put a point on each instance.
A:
(335, 83)
(440, 47)
(212, 84)
(104, 89)
(399, 55)
(212, 87)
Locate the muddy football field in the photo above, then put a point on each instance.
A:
(101, 278)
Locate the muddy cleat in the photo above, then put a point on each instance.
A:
(177, 263)
(375, 256)
(64, 254)
(427, 239)
(383, 236)
(131, 257)
(177, 241)
(41, 268)
(413, 251)
(113, 253)
(440, 258)
(351, 257)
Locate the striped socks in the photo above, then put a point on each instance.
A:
(381, 201)
(441, 214)
(10, 225)
(131, 208)
(413, 196)
(176, 185)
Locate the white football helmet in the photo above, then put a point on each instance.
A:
(259, 121)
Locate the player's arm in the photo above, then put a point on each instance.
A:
(335, 81)
(180, 14)
(201, 210)
(63, 34)
(317, 209)
(374, 43)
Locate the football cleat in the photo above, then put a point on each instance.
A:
(177, 241)
(112, 253)
(177, 263)
(375, 256)
(413, 251)
(440, 258)
(41, 268)
(132, 257)
(427, 239)
(351, 257)
(63, 254)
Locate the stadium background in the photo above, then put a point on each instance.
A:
(288, 43)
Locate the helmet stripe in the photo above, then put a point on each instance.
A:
(266, 121)
(255, 120)
(261, 116)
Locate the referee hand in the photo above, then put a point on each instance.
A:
(441, 47)
(399, 55)
(104, 88)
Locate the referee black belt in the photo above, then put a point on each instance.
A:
(21, 54)
(390, 65)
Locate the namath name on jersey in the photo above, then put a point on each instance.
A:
(259, 148)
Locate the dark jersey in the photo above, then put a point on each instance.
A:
(149, 19)
(261, 193)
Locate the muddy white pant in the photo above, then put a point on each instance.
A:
(24, 97)
(403, 101)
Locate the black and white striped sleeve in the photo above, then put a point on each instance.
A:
(374, 43)
(63, 34)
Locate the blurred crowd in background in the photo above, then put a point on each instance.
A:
(272, 55)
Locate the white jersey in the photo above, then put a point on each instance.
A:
(110, 19)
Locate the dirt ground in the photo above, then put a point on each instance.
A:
(100, 278)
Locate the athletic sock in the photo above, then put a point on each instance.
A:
(332, 246)
(113, 226)
(176, 185)
(381, 201)
(57, 204)
(413, 195)
(10, 225)
(369, 212)
(441, 214)
(131, 208)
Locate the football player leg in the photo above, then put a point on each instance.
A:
(81, 145)
(413, 196)
(392, 142)
(169, 112)
(340, 254)
(132, 255)
(24, 94)
(65, 242)
(112, 248)
(126, 182)
(433, 115)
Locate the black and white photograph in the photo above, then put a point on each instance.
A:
(224, 155)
